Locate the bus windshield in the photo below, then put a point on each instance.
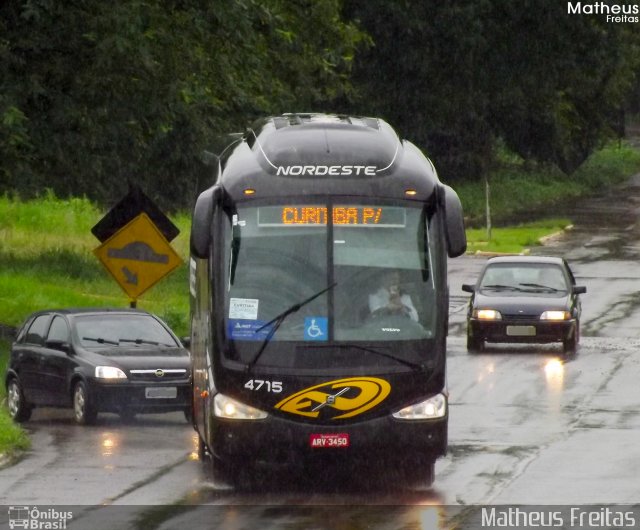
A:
(307, 278)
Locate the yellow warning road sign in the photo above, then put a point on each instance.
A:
(138, 256)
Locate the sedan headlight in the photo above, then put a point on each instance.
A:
(230, 409)
(487, 314)
(555, 315)
(430, 409)
(109, 372)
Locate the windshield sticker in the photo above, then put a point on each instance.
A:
(315, 328)
(339, 399)
(248, 329)
(243, 308)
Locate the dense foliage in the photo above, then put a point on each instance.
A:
(459, 75)
(96, 94)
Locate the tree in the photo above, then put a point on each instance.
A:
(95, 94)
(455, 76)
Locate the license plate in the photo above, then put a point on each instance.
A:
(329, 440)
(161, 392)
(521, 331)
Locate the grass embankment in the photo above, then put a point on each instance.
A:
(46, 252)
(517, 188)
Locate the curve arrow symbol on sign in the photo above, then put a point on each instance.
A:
(131, 277)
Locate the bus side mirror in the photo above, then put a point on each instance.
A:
(454, 224)
(201, 221)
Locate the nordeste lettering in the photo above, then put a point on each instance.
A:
(326, 170)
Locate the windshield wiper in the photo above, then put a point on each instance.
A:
(145, 341)
(410, 364)
(100, 340)
(499, 287)
(540, 286)
(277, 321)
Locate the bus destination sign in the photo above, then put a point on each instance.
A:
(353, 215)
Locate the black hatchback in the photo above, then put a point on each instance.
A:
(125, 361)
(524, 299)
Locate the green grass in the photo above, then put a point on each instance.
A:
(515, 239)
(517, 187)
(46, 251)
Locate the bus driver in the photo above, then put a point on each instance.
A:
(388, 299)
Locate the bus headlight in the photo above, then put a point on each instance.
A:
(432, 408)
(230, 409)
(555, 315)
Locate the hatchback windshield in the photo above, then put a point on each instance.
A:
(543, 278)
(126, 329)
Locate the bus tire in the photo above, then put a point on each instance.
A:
(203, 453)
(221, 473)
(422, 476)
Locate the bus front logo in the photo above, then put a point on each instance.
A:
(344, 397)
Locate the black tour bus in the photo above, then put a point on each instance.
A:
(319, 299)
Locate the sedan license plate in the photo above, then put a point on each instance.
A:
(161, 392)
(521, 331)
(329, 440)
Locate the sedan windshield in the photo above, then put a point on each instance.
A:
(125, 329)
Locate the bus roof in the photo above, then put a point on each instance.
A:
(316, 154)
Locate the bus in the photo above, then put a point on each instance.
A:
(319, 299)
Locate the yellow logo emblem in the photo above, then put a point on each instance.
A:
(350, 397)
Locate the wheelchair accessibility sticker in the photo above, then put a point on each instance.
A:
(315, 328)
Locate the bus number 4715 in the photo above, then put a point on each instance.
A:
(271, 386)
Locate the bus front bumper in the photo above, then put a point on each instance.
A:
(276, 440)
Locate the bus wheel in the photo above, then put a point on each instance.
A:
(422, 476)
(220, 473)
(203, 454)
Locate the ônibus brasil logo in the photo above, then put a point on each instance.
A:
(34, 518)
(339, 399)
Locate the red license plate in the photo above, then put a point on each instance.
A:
(329, 440)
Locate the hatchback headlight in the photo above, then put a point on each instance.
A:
(555, 315)
(230, 409)
(430, 409)
(109, 372)
(487, 314)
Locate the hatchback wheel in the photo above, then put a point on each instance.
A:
(127, 415)
(19, 409)
(571, 345)
(84, 411)
(474, 344)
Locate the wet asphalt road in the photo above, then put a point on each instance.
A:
(527, 426)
